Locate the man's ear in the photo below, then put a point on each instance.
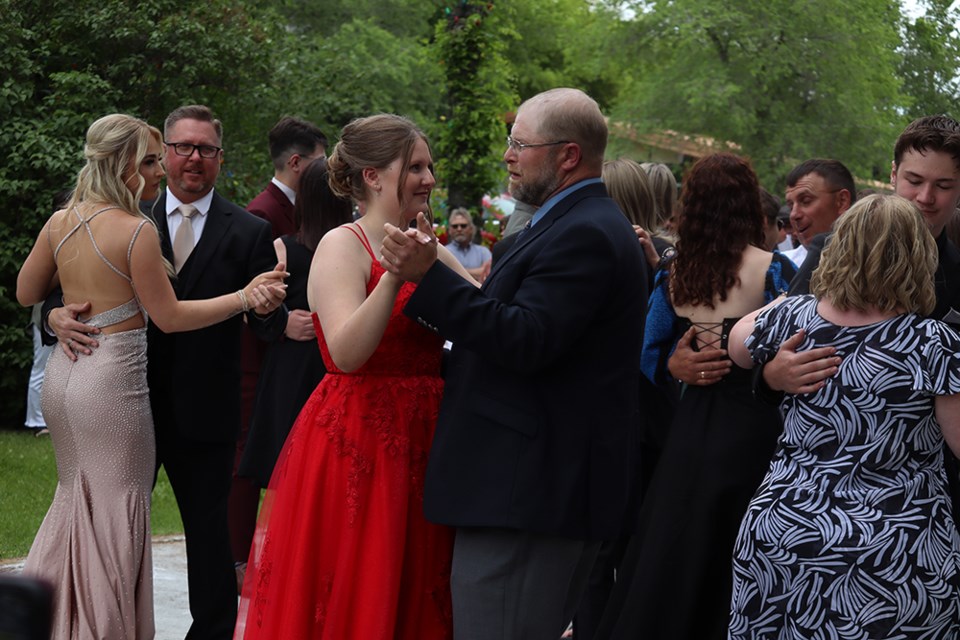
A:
(843, 200)
(570, 155)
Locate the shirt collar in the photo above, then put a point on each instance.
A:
(557, 197)
(202, 205)
(287, 191)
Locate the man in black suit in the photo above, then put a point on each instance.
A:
(194, 376)
(532, 459)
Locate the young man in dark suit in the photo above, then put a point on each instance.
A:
(531, 461)
(194, 376)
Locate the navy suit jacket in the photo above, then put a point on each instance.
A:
(539, 419)
(194, 376)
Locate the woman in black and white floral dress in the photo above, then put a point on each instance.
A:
(851, 534)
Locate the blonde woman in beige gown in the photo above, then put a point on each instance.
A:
(93, 547)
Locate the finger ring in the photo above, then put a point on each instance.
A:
(703, 375)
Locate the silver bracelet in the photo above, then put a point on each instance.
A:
(243, 301)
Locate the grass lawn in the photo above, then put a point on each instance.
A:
(28, 477)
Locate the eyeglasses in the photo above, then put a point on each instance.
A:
(186, 149)
(520, 146)
(459, 226)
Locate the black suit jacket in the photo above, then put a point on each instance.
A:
(194, 376)
(538, 424)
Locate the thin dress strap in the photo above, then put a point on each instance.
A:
(132, 306)
(136, 234)
(363, 238)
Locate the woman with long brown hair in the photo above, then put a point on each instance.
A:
(675, 579)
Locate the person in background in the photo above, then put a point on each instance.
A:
(293, 366)
(41, 352)
(94, 543)
(474, 257)
(663, 184)
(851, 532)
(294, 145)
(818, 192)
(773, 232)
(675, 577)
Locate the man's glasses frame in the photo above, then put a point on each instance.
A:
(520, 146)
(186, 149)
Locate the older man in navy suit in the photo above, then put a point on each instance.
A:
(532, 457)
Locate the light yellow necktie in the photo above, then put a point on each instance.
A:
(183, 242)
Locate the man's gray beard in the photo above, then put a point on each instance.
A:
(537, 193)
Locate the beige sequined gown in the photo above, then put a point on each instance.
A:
(94, 543)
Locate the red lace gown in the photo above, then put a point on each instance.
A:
(342, 549)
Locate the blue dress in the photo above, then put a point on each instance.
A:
(851, 535)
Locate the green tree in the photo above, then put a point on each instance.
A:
(780, 80)
(930, 67)
(479, 92)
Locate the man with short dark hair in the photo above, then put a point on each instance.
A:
(818, 192)
(294, 144)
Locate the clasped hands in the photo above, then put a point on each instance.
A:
(409, 253)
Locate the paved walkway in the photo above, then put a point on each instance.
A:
(171, 610)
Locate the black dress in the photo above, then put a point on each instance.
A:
(675, 578)
(291, 371)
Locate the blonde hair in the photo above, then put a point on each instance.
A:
(628, 186)
(881, 256)
(663, 185)
(115, 146)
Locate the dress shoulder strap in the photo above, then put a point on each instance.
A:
(362, 237)
(80, 223)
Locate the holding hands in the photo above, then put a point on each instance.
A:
(267, 291)
(408, 254)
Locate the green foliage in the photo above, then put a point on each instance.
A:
(930, 66)
(469, 46)
(358, 70)
(783, 82)
(569, 43)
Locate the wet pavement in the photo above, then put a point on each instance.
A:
(171, 609)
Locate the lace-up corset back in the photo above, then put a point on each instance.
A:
(406, 348)
(121, 312)
(709, 334)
